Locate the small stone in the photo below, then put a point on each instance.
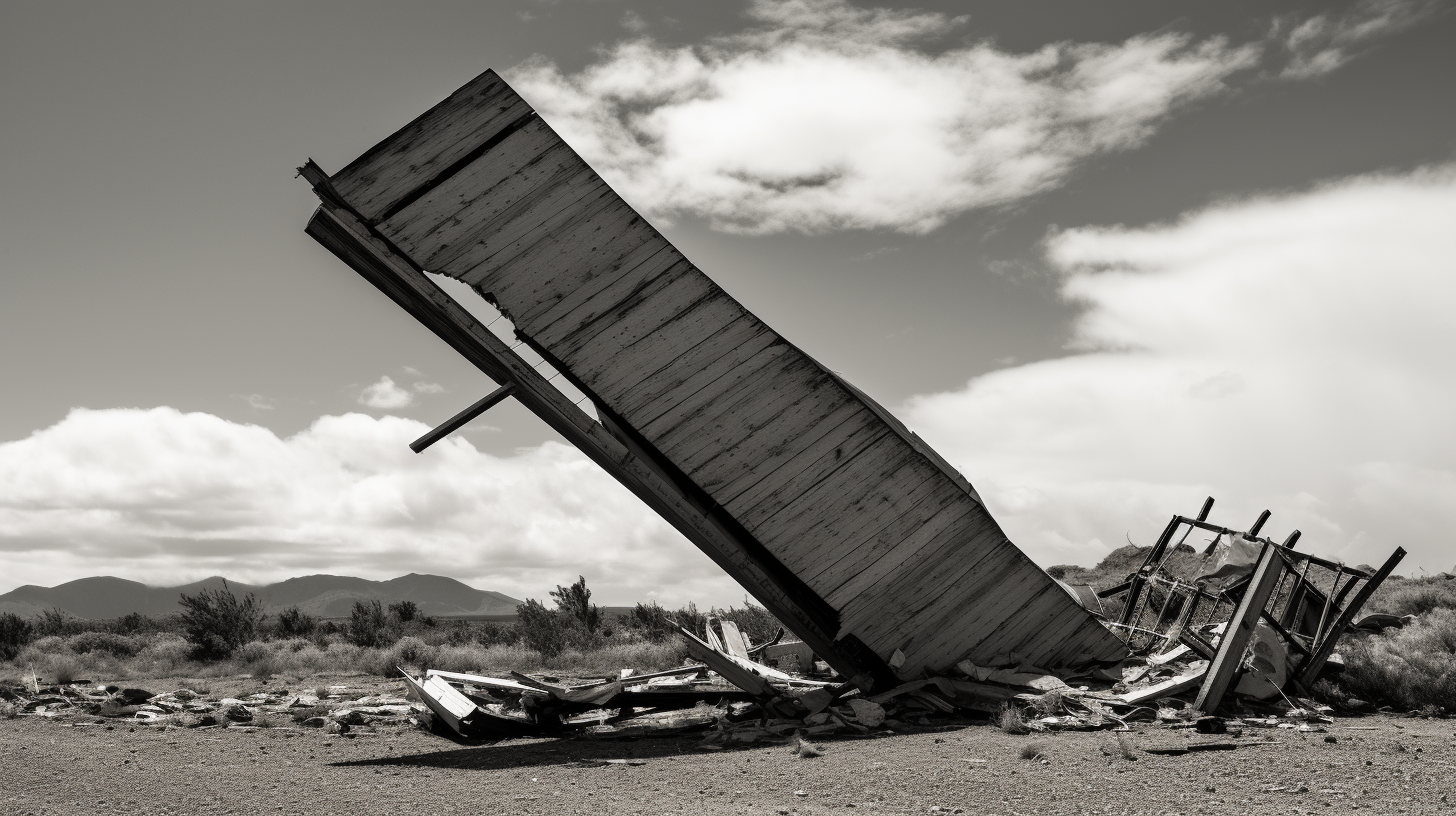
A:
(1332, 739)
(314, 722)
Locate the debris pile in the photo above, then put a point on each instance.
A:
(333, 709)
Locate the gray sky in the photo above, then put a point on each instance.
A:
(1107, 168)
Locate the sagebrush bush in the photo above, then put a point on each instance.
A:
(368, 625)
(404, 611)
(293, 623)
(107, 642)
(15, 634)
(1409, 668)
(407, 652)
(56, 622)
(548, 631)
(1414, 597)
(217, 622)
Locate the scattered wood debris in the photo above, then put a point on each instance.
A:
(87, 703)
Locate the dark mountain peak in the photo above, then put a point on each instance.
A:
(104, 597)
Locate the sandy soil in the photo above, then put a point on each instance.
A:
(1380, 764)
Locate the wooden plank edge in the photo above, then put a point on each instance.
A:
(345, 234)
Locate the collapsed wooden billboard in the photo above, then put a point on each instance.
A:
(844, 524)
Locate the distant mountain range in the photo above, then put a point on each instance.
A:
(324, 596)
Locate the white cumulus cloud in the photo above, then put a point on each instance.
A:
(824, 116)
(1290, 352)
(385, 395)
(163, 497)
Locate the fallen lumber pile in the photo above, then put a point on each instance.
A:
(333, 709)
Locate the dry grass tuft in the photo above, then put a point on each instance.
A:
(1411, 669)
(1033, 750)
(806, 749)
(1124, 747)
(1011, 720)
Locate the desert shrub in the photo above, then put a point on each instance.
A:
(15, 634)
(134, 623)
(58, 622)
(1409, 668)
(163, 655)
(292, 645)
(650, 621)
(495, 634)
(107, 642)
(45, 645)
(1011, 720)
(64, 669)
(1414, 597)
(405, 611)
(257, 658)
(218, 623)
(368, 625)
(407, 652)
(643, 655)
(548, 631)
(575, 602)
(293, 623)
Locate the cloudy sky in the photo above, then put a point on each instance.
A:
(1108, 259)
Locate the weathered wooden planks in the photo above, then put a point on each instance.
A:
(858, 526)
(418, 154)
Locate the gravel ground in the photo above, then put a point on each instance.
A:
(1380, 764)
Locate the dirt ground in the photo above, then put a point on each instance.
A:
(1379, 764)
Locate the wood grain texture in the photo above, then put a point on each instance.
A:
(416, 153)
(868, 521)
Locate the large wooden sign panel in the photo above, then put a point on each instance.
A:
(856, 510)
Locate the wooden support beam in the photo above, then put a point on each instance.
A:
(1326, 645)
(1196, 642)
(1240, 629)
(1207, 508)
(454, 423)
(1258, 525)
(340, 230)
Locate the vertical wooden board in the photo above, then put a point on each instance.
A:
(428, 146)
(655, 347)
(1039, 629)
(902, 539)
(642, 393)
(584, 251)
(780, 440)
(559, 298)
(819, 527)
(1036, 630)
(659, 302)
(1008, 601)
(907, 493)
(876, 462)
(690, 407)
(529, 159)
(972, 543)
(974, 589)
(772, 439)
(486, 254)
(629, 299)
(952, 558)
(784, 379)
(788, 481)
